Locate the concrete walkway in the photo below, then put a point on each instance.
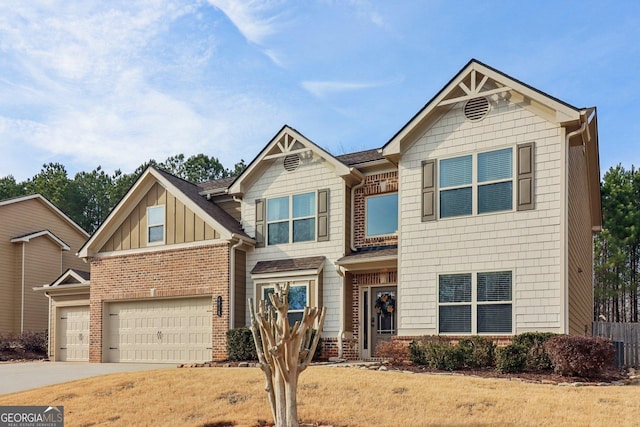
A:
(24, 376)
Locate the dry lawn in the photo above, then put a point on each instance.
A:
(216, 397)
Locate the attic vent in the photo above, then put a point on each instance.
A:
(291, 162)
(476, 109)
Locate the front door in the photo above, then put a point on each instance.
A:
(381, 315)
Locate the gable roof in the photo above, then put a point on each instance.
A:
(48, 204)
(187, 192)
(476, 80)
(76, 281)
(289, 141)
(29, 236)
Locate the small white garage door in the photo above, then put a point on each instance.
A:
(159, 331)
(73, 334)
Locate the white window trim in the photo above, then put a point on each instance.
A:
(474, 303)
(163, 224)
(272, 285)
(291, 219)
(366, 216)
(475, 184)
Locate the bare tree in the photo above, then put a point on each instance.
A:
(284, 352)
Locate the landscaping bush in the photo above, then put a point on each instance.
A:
(7, 342)
(579, 355)
(444, 356)
(395, 351)
(477, 351)
(511, 359)
(35, 342)
(534, 345)
(418, 348)
(240, 345)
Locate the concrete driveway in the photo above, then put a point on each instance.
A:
(24, 376)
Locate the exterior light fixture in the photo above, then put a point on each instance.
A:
(219, 306)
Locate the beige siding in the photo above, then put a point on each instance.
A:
(527, 243)
(312, 174)
(42, 257)
(19, 219)
(232, 208)
(182, 225)
(580, 254)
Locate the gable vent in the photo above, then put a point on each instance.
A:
(476, 109)
(291, 162)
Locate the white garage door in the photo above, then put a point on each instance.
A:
(159, 331)
(73, 334)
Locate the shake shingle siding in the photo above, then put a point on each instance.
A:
(527, 243)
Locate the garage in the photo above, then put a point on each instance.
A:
(73, 334)
(159, 331)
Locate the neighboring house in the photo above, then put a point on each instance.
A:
(477, 217)
(37, 243)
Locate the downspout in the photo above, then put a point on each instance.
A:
(568, 137)
(340, 271)
(232, 282)
(49, 326)
(24, 250)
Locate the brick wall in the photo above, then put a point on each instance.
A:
(195, 271)
(381, 183)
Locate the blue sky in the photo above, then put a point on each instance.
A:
(116, 83)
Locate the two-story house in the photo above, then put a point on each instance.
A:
(477, 217)
(37, 243)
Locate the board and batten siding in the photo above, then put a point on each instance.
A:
(580, 245)
(182, 225)
(528, 243)
(312, 175)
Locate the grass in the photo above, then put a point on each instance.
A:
(216, 397)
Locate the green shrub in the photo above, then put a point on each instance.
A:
(240, 345)
(477, 351)
(579, 355)
(418, 348)
(444, 356)
(534, 344)
(511, 359)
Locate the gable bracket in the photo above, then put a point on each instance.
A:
(475, 95)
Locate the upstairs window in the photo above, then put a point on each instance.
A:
(478, 183)
(155, 224)
(381, 215)
(291, 219)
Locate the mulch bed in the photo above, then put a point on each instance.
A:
(20, 355)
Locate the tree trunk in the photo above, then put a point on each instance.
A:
(284, 351)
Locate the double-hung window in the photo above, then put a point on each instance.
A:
(155, 224)
(382, 214)
(291, 219)
(298, 297)
(475, 304)
(476, 183)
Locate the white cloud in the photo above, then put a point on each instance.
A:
(251, 17)
(322, 89)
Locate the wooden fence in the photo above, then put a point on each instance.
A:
(626, 339)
